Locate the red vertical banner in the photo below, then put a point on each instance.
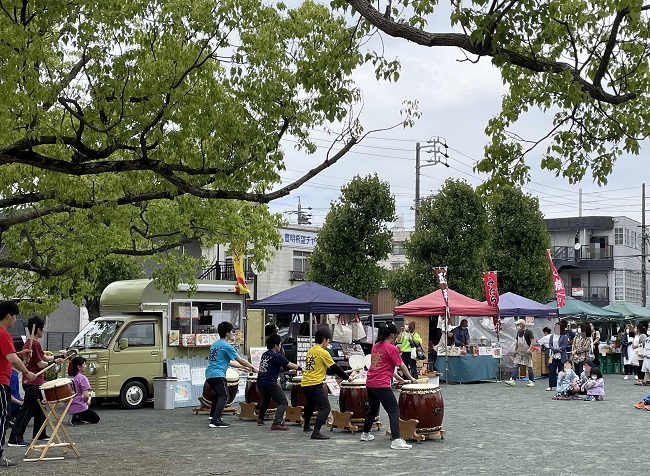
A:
(558, 284)
(491, 288)
(441, 274)
(492, 296)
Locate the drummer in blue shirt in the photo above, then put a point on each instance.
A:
(461, 334)
(221, 353)
(271, 362)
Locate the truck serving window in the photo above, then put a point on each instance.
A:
(97, 334)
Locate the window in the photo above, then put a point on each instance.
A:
(398, 248)
(627, 285)
(140, 334)
(618, 236)
(301, 261)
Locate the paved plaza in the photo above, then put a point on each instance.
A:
(491, 429)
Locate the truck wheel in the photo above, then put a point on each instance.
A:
(133, 395)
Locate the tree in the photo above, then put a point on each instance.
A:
(451, 230)
(354, 237)
(518, 244)
(130, 130)
(106, 270)
(586, 63)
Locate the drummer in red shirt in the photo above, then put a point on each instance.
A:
(385, 357)
(36, 363)
(8, 358)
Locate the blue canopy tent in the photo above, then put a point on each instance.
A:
(514, 305)
(312, 298)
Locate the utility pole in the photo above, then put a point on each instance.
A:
(304, 218)
(643, 249)
(436, 146)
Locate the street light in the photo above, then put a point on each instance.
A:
(436, 146)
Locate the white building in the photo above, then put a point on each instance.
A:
(598, 258)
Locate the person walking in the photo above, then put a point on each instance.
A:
(271, 363)
(219, 357)
(523, 353)
(557, 345)
(384, 358)
(317, 361)
(9, 358)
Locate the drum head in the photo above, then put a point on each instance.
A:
(368, 361)
(296, 379)
(357, 382)
(59, 382)
(232, 375)
(419, 386)
(357, 362)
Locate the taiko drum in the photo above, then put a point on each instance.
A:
(422, 402)
(253, 395)
(354, 398)
(232, 379)
(297, 397)
(57, 390)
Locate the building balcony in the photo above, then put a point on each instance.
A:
(596, 295)
(224, 272)
(587, 257)
(297, 276)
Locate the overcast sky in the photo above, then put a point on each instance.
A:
(456, 100)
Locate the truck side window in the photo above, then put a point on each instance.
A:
(140, 334)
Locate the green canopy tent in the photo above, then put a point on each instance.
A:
(630, 310)
(585, 312)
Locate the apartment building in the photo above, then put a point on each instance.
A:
(598, 257)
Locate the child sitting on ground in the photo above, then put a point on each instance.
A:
(564, 380)
(595, 386)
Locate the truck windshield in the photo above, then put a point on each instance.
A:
(97, 334)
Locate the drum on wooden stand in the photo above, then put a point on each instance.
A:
(297, 397)
(422, 402)
(253, 395)
(57, 390)
(354, 398)
(232, 378)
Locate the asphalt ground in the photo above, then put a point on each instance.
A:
(491, 429)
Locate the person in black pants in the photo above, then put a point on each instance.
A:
(385, 357)
(271, 362)
(317, 361)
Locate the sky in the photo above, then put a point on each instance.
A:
(457, 98)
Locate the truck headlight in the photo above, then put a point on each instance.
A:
(92, 368)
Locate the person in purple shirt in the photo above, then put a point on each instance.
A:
(271, 363)
(79, 409)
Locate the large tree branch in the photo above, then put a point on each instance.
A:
(35, 268)
(459, 40)
(609, 47)
(17, 154)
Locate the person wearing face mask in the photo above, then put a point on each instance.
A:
(557, 345)
(581, 346)
(627, 349)
(523, 353)
(595, 386)
(406, 340)
(461, 334)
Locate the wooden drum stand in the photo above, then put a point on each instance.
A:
(55, 421)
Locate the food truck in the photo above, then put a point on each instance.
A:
(140, 327)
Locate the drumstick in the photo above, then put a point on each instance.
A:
(50, 366)
(29, 344)
(353, 370)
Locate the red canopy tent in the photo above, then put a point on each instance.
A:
(433, 304)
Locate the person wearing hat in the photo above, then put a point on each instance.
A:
(523, 353)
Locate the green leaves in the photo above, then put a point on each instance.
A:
(132, 129)
(584, 64)
(354, 238)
